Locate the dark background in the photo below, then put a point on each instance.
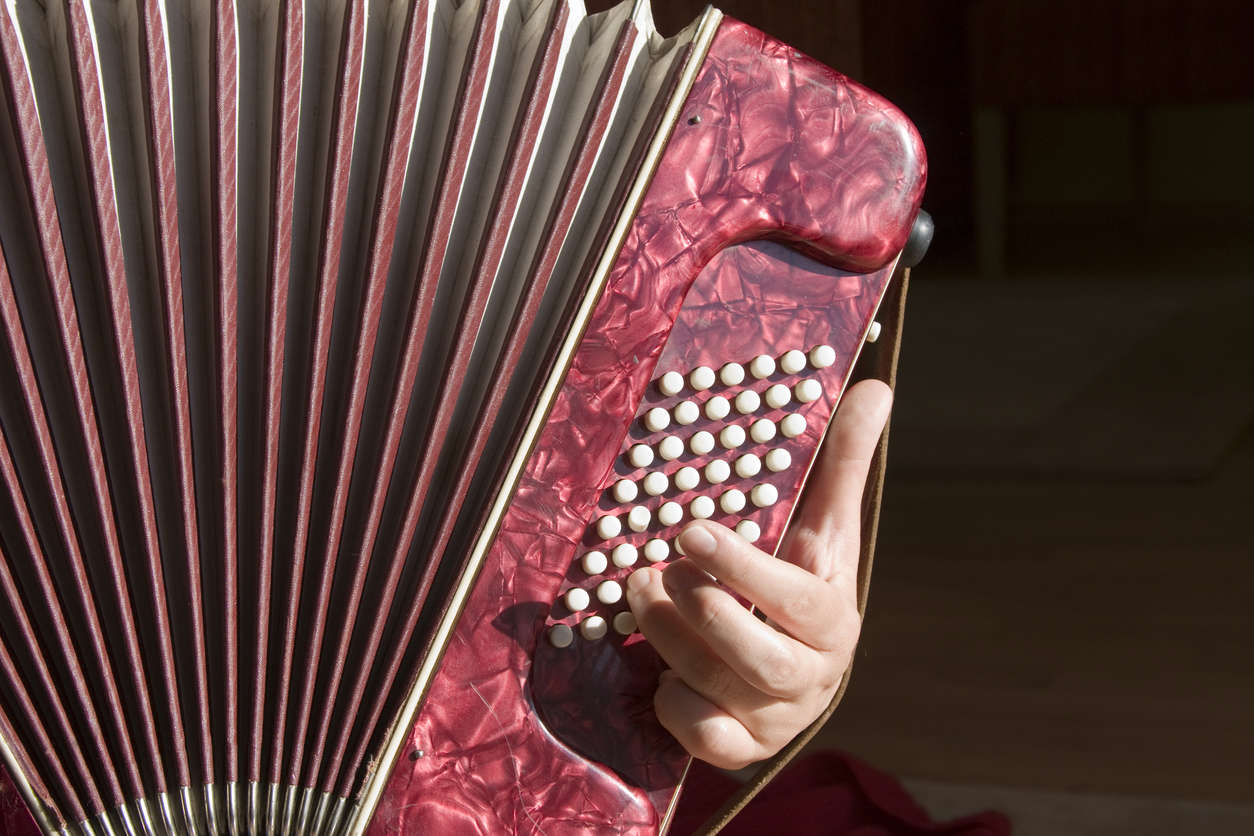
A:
(1060, 622)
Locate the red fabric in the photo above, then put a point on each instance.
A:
(828, 793)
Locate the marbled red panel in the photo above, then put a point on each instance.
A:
(15, 818)
(769, 145)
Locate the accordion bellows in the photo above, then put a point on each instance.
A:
(353, 353)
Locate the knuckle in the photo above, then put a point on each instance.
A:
(782, 673)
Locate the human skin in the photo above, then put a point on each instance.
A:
(740, 688)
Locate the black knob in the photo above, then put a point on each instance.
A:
(918, 242)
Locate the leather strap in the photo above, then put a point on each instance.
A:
(877, 360)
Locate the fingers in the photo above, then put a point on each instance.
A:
(705, 730)
(763, 657)
(801, 604)
(824, 536)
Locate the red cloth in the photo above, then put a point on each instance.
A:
(827, 793)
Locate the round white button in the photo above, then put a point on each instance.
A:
(732, 501)
(657, 419)
(748, 466)
(701, 378)
(640, 455)
(732, 437)
(655, 551)
(624, 555)
(792, 361)
(717, 408)
(792, 425)
(702, 508)
(822, 356)
(731, 374)
(609, 592)
(576, 599)
(670, 513)
(655, 484)
(593, 628)
(873, 333)
(762, 430)
(764, 495)
(671, 448)
(638, 519)
(747, 401)
(701, 443)
(717, 471)
(808, 390)
(686, 478)
(561, 635)
(609, 527)
(625, 490)
(594, 562)
(762, 366)
(778, 460)
(625, 623)
(671, 383)
(749, 530)
(778, 395)
(686, 412)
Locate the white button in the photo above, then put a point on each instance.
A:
(561, 635)
(609, 527)
(778, 395)
(686, 412)
(822, 356)
(702, 508)
(576, 599)
(624, 555)
(686, 478)
(594, 562)
(701, 443)
(731, 374)
(638, 519)
(655, 484)
(625, 490)
(717, 408)
(732, 501)
(671, 383)
(670, 513)
(762, 366)
(732, 437)
(762, 430)
(609, 592)
(625, 623)
(655, 551)
(808, 390)
(593, 628)
(657, 419)
(671, 448)
(778, 460)
(748, 466)
(873, 333)
(641, 455)
(792, 425)
(792, 361)
(749, 530)
(717, 471)
(701, 378)
(764, 495)
(747, 401)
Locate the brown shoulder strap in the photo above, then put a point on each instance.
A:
(878, 360)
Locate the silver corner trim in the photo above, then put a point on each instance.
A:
(273, 810)
(234, 809)
(339, 817)
(169, 815)
(107, 826)
(320, 813)
(190, 807)
(213, 809)
(127, 816)
(148, 817)
(289, 810)
(84, 827)
(253, 814)
(304, 810)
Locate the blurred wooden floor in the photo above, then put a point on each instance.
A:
(1073, 632)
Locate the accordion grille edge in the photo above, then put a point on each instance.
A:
(301, 513)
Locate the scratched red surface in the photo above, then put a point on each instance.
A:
(783, 148)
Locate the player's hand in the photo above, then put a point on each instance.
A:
(739, 688)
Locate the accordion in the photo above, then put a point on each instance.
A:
(352, 355)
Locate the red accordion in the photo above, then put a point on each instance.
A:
(354, 353)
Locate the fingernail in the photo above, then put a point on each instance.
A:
(638, 580)
(697, 541)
